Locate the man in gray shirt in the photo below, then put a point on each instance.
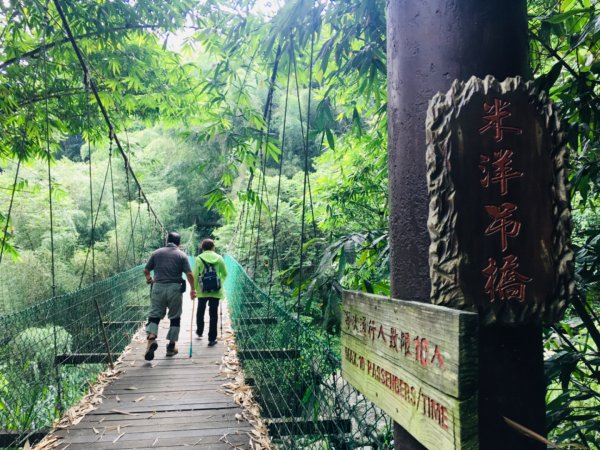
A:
(168, 263)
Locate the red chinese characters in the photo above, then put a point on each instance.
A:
(503, 222)
(505, 282)
(494, 117)
(502, 281)
(414, 347)
(502, 170)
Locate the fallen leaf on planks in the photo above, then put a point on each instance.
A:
(118, 437)
(118, 411)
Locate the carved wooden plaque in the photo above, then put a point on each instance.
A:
(418, 363)
(499, 217)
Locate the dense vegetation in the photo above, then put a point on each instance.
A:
(267, 132)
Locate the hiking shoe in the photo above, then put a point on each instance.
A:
(150, 349)
(171, 349)
(199, 335)
(212, 343)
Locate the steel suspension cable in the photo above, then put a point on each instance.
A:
(129, 244)
(49, 156)
(52, 264)
(305, 184)
(103, 110)
(132, 233)
(266, 111)
(262, 185)
(15, 182)
(10, 206)
(94, 222)
(278, 195)
(112, 188)
(305, 137)
(92, 228)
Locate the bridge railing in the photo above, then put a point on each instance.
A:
(296, 378)
(50, 352)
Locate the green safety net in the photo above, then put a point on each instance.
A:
(49, 353)
(296, 376)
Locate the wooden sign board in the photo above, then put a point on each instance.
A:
(418, 363)
(499, 217)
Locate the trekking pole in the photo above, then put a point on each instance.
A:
(192, 326)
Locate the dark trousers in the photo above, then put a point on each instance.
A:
(213, 314)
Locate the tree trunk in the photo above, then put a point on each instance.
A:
(429, 44)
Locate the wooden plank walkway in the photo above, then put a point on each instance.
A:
(171, 402)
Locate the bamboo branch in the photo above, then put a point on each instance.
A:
(43, 48)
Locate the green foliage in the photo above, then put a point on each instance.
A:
(245, 99)
(39, 359)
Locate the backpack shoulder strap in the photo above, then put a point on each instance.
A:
(206, 263)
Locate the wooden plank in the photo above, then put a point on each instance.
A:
(167, 403)
(436, 344)
(418, 362)
(304, 427)
(225, 441)
(82, 358)
(268, 354)
(133, 435)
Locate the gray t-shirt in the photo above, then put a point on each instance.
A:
(168, 264)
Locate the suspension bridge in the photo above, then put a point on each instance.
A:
(416, 375)
(72, 373)
(294, 377)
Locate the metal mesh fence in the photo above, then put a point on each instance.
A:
(296, 377)
(51, 351)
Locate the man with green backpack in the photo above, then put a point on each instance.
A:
(209, 274)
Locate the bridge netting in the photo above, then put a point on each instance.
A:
(296, 376)
(51, 352)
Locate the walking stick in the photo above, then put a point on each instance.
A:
(192, 326)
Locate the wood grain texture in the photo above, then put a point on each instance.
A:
(431, 394)
(452, 332)
(170, 402)
(465, 164)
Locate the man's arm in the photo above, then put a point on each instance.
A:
(149, 266)
(149, 279)
(190, 277)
